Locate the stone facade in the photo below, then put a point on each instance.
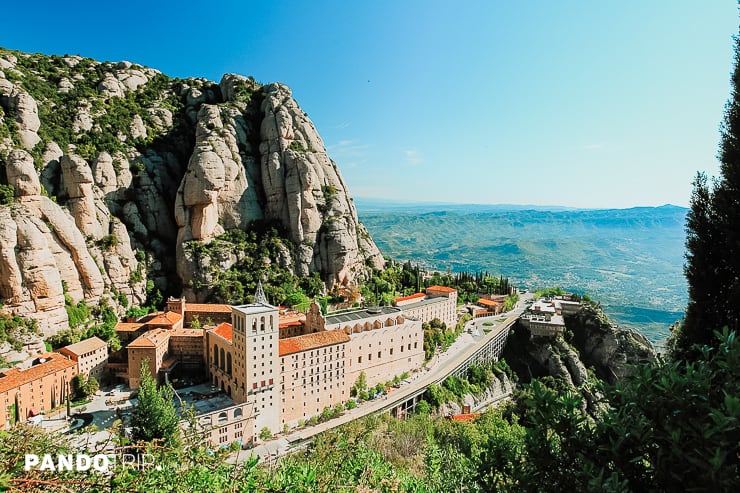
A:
(438, 302)
(225, 426)
(312, 374)
(383, 343)
(91, 356)
(295, 377)
(34, 390)
(151, 346)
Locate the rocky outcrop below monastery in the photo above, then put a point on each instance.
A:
(592, 346)
(113, 174)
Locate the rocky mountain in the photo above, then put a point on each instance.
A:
(116, 178)
(592, 348)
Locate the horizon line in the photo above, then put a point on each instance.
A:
(430, 203)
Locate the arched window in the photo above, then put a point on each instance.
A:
(238, 412)
(215, 355)
(222, 417)
(222, 359)
(262, 324)
(271, 326)
(228, 363)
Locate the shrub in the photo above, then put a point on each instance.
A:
(265, 433)
(7, 194)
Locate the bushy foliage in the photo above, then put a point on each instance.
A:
(13, 328)
(258, 250)
(7, 194)
(83, 387)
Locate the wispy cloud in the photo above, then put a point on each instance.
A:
(413, 157)
(348, 153)
(590, 147)
(342, 125)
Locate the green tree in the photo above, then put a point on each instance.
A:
(296, 298)
(83, 387)
(360, 385)
(154, 417)
(713, 241)
(7, 194)
(265, 433)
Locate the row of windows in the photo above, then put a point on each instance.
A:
(370, 356)
(239, 323)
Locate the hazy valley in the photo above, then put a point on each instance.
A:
(629, 259)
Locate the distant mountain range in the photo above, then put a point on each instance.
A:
(629, 259)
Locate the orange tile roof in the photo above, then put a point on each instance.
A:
(291, 319)
(187, 333)
(150, 339)
(128, 326)
(166, 318)
(311, 341)
(15, 377)
(466, 417)
(485, 302)
(86, 346)
(444, 289)
(225, 330)
(207, 307)
(410, 297)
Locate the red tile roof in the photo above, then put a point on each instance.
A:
(225, 330)
(485, 302)
(291, 319)
(444, 289)
(14, 378)
(150, 339)
(207, 307)
(187, 333)
(312, 341)
(410, 297)
(128, 327)
(166, 318)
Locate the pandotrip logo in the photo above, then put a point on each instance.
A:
(103, 463)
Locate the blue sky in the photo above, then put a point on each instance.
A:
(576, 103)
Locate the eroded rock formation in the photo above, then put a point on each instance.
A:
(134, 166)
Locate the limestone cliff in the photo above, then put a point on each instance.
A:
(591, 342)
(116, 179)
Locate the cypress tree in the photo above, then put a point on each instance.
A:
(713, 240)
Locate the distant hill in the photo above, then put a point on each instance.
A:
(630, 259)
